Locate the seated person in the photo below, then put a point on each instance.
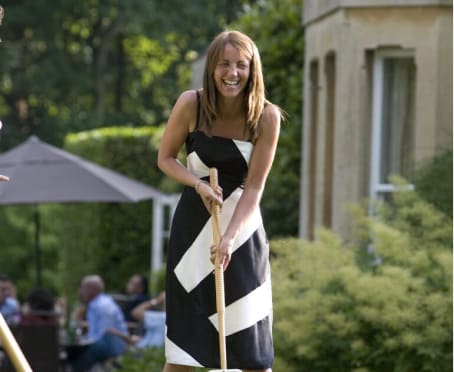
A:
(137, 292)
(102, 314)
(39, 308)
(9, 306)
(153, 316)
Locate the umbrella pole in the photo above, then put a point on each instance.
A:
(37, 249)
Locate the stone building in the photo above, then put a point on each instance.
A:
(378, 100)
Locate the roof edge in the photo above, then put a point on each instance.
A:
(315, 9)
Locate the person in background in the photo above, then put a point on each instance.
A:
(137, 291)
(11, 290)
(39, 308)
(9, 306)
(102, 314)
(152, 315)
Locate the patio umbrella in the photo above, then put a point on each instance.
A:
(42, 173)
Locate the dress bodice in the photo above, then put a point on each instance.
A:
(230, 157)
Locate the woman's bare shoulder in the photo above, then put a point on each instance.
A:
(273, 112)
(271, 118)
(187, 98)
(184, 110)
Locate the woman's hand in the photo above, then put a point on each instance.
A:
(209, 196)
(225, 252)
(3, 178)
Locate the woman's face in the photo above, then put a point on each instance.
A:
(232, 72)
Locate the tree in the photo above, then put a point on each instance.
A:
(74, 65)
(276, 28)
(57, 65)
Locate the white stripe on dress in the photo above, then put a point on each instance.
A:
(248, 310)
(245, 148)
(196, 166)
(195, 265)
(177, 355)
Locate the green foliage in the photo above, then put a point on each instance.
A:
(69, 71)
(335, 313)
(77, 65)
(433, 181)
(17, 245)
(148, 359)
(17, 253)
(276, 28)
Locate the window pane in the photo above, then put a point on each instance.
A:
(397, 123)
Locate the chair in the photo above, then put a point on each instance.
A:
(39, 343)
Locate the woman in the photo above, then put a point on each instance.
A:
(229, 125)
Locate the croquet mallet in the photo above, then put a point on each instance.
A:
(219, 278)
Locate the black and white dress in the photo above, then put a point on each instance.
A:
(192, 336)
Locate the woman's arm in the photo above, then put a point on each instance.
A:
(180, 123)
(181, 120)
(259, 167)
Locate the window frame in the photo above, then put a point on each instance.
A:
(378, 189)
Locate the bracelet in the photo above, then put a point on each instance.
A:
(197, 185)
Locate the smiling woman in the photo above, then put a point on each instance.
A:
(231, 126)
(232, 72)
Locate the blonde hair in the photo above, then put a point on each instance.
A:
(254, 93)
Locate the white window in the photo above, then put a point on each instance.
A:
(392, 119)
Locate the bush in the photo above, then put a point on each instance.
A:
(433, 181)
(337, 311)
(148, 359)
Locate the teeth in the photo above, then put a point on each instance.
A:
(231, 82)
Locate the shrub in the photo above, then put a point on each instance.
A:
(337, 312)
(148, 359)
(433, 181)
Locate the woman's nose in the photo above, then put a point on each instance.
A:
(234, 71)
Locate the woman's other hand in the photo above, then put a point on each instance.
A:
(209, 196)
(225, 252)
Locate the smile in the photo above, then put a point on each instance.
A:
(231, 82)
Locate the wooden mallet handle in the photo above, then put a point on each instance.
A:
(218, 273)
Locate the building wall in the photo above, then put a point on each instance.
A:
(351, 32)
(315, 9)
(197, 69)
